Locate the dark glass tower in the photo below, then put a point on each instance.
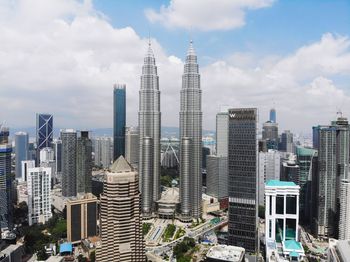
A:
(243, 178)
(44, 130)
(5, 179)
(84, 163)
(273, 115)
(21, 151)
(69, 163)
(119, 118)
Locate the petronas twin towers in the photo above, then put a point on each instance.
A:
(190, 138)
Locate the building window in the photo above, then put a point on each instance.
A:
(280, 205)
(291, 203)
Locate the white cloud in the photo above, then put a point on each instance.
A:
(67, 61)
(205, 15)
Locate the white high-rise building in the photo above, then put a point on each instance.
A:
(149, 128)
(39, 195)
(103, 151)
(191, 139)
(344, 220)
(25, 166)
(47, 154)
(269, 169)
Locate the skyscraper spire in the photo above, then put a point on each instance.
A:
(190, 139)
(149, 127)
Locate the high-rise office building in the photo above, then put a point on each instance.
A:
(270, 134)
(217, 176)
(84, 163)
(243, 178)
(47, 154)
(344, 221)
(44, 132)
(5, 179)
(81, 218)
(305, 159)
(25, 167)
(333, 166)
(273, 115)
(21, 151)
(190, 139)
(222, 134)
(286, 143)
(324, 219)
(69, 152)
(57, 146)
(149, 128)
(290, 170)
(132, 144)
(103, 150)
(269, 169)
(120, 219)
(119, 120)
(39, 195)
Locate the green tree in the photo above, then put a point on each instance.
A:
(81, 258)
(93, 256)
(41, 254)
(261, 212)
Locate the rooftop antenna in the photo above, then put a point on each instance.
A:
(339, 113)
(149, 37)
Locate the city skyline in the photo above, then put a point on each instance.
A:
(246, 74)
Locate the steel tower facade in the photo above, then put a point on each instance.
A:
(149, 128)
(190, 139)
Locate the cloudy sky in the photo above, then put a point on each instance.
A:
(63, 57)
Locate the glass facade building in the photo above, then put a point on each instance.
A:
(44, 132)
(21, 151)
(5, 179)
(273, 115)
(119, 118)
(243, 178)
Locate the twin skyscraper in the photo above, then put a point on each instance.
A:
(190, 138)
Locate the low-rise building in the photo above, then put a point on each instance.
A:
(12, 253)
(168, 202)
(224, 253)
(338, 251)
(81, 217)
(209, 204)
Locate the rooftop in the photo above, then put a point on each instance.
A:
(121, 165)
(343, 247)
(293, 245)
(304, 151)
(278, 183)
(66, 247)
(226, 253)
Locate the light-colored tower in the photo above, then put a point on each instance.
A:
(149, 128)
(39, 195)
(121, 225)
(132, 143)
(344, 222)
(190, 139)
(222, 134)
